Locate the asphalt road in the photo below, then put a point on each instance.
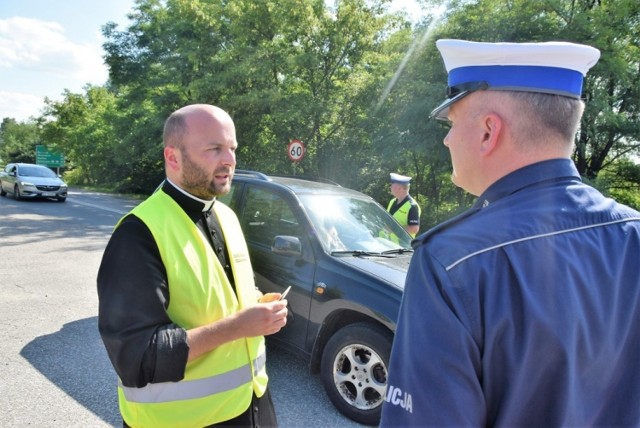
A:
(54, 371)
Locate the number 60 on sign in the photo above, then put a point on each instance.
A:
(295, 150)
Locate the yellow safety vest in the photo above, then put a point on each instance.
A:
(219, 385)
(402, 214)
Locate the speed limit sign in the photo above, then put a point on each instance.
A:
(295, 150)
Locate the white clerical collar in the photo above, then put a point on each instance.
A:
(207, 204)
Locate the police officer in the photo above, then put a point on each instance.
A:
(178, 311)
(524, 310)
(403, 207)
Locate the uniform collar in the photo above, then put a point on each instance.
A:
(531, 175)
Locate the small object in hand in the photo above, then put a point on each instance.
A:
(272, 297)
(269, 297)
(285, 293)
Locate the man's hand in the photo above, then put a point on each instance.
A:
(261, 319)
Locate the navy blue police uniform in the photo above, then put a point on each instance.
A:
(524, 310)
(573, 314)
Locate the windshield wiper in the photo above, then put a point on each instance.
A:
(358, 253)
(398, 251)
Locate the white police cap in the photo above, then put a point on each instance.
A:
(397, 178)
(550, 67)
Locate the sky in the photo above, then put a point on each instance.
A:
(47, 46)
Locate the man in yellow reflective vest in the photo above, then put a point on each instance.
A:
(403, 207)
(178, 310)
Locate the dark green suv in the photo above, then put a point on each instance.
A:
(346, 259)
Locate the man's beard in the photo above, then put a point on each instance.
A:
(196, 181)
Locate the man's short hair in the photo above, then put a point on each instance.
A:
(174, 129)
(543, 116)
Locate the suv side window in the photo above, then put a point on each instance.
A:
(231, 198)
(266, 215)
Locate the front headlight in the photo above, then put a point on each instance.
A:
(26, 184)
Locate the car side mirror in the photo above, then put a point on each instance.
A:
(287, 246)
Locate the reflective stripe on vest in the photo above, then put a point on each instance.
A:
(192, 389)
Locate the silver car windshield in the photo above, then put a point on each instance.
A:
(350, 224)
(34, 171)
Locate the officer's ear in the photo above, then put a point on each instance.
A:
(493, 126)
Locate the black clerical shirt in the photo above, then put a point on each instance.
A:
(142, 342)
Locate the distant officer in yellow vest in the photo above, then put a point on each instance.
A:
(178, 310)
(403, 207)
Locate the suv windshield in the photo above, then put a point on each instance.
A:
(350, 224)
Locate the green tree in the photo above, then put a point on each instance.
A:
(610, 126)
(18, 140)
(82, 130)
(622, 181)
(283, 69)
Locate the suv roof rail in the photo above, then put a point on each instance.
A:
(265, 177)
(307, 178)
(254, 174)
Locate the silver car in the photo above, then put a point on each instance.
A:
(26, 181)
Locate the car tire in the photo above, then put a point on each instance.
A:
(61, 198)
(2, 192)
(354, 370)
(16, 193)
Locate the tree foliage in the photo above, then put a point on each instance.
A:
(283, 69)
(355, 83)
(18, 141)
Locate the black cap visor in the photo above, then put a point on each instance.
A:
(455, 94)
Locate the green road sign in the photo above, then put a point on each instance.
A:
(47, 158)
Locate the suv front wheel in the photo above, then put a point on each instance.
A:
(354, 370)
